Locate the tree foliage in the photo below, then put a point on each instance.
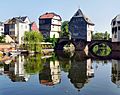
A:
(52, 40)
(32, 40)
(2, 39)
(101, 36)
(65, 28)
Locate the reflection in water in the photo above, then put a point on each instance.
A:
(79, 68)
(101, 50)
(50, 74)
(80, 72)
(15, 70)
(116, 72)
(33, 64)
(76, 69)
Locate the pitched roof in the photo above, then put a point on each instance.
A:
(48, 16)
(16, 19)
(79, 13)
(21, 18)
(116, 18)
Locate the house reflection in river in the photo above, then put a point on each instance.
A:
(116, 72)
(50, 74)
(15, 70)
(1, 70)
(80, 72)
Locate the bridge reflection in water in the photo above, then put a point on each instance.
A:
(78, 66)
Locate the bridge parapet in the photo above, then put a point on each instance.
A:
(80, 45)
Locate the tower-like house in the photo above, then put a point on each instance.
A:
(50, 25)
(81, 27)
(115, 24)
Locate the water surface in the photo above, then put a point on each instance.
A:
(60, 74)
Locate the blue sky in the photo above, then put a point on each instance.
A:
(101, 12)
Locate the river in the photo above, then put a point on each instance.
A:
(60, 74)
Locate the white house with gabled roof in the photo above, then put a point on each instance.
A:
(16, 28)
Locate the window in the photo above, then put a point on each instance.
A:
(12, 26)
(118, 22)
(42, 21)
(118, 27)
(115, 29)
(115, 36)
(12, 33)
(1, 29)
(114, 22)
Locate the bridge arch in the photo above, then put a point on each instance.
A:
(98, 42)
(62, 43)
(92, 44)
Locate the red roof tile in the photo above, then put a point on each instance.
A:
(48, 16)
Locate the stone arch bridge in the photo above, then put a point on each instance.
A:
(80, 45)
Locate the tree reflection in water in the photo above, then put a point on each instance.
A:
(33, 64)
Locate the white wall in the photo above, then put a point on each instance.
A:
(117, 38)
(90, 29)
(27, 21)
(55, 21)
(57, 35)
(55, 71)
(56, 17)
(55, 28)
(19, 68)
(90, 71)
(22, 28)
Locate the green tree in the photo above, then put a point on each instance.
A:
(101, 36)
(32, 40)
(2, 39)
(106, 36)
(65, 29)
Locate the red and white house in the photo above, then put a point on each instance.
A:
(50, 25)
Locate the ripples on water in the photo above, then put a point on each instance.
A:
(60, 74)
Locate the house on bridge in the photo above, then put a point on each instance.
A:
(81, 27)
(115, 24)
(50, 25)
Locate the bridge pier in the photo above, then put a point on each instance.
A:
(80, 45)
(115, 46)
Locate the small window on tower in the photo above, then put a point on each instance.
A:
(118, 27)
(115, 29)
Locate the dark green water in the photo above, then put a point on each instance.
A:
(59, 75)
